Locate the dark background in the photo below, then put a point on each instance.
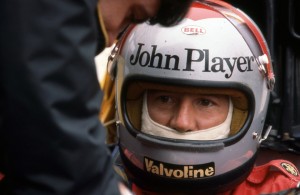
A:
(279, 22)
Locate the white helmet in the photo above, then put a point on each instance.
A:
(218, 49)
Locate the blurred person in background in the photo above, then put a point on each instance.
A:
(51, 139)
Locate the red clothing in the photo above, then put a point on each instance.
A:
(1, 176)
(275, 176)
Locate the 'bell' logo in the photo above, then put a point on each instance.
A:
(193, 30)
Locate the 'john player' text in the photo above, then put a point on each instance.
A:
(193, 58)
(178, 171)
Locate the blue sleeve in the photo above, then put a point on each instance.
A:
(51, 139)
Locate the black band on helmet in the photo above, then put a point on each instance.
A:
(212, 185)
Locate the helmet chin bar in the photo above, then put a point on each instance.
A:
(212, 185)
(204, 147)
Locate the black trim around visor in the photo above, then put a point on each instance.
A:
(178, 82)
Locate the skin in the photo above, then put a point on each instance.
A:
(118, 14)
(187, 112)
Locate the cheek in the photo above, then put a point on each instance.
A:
(219, 117)
(223, 112)
(210, 118)
(160, 116)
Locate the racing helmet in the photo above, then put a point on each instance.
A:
(215, 49)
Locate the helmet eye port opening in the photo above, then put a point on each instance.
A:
(131, 97)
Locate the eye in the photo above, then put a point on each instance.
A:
(205, 102)
(164, 99)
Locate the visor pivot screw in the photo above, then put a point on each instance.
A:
(255, 135)
(118, 122)
(263, 59)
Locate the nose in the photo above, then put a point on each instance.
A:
(184, 119)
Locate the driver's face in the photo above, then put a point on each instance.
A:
(187, 112)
